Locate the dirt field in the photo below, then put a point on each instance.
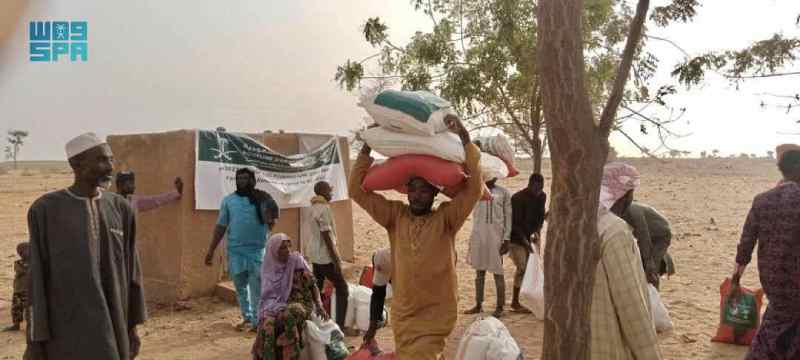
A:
(706, 201)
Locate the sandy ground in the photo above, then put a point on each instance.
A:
(706, 201)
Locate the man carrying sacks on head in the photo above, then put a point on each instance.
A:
(422, 241)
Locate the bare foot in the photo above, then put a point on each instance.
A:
(475, 310)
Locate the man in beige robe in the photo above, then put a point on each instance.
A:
(622, 324)
(422, 242)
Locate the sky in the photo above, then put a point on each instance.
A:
(255, 65)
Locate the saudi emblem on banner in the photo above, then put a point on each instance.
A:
(289, 179)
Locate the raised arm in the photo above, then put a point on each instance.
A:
(378, 207)
(457, 210)
(147, 203)
(151, 202)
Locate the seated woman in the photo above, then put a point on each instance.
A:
(289, 295)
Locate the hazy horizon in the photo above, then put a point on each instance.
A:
(160, 66)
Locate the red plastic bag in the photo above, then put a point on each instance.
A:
(738, 320)
(397, 171)
(512, 170)
(327, 294)
(366, 276)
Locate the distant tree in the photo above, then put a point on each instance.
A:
(753, 156)
(16, 138)
(674, 154)
(686, 153)
(715, 153)
(703, 154)
(744, 156)
(770, 155)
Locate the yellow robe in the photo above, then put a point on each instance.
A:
(424, 281)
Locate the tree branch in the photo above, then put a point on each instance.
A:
(430, 13)
(514, 117)
(490, 125)
(659, 124)
(668, 41)
(634, 35)
(369, 57)
(641, 148)
(762, 75)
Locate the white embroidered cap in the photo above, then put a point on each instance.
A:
(82, 143)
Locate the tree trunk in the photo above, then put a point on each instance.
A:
(578, 151)
(579, 148)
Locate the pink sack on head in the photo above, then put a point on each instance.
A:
(452, 191)
(397, 171)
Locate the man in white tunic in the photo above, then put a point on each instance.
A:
(489, 241)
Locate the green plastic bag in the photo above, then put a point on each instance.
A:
(337, 349)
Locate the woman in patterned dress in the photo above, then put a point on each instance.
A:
(289, 295)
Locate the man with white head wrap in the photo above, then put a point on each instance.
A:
(622, 325)
(85, 280)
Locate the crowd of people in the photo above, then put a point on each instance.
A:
(83, 241)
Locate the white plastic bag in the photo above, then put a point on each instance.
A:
(497, 145)
(492, 167)
(531, 294)
(318, 335)
(487, 339)
(504, 348)
(350, 315)
(363, 297)
(411, 112)
(660, 313)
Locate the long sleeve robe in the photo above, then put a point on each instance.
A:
(424, 280)
(652, 232)
(491, 225)
(622, 324)
(86, 283)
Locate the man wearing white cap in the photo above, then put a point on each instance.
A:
(86, 282)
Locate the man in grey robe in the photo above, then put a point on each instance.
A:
(86, 283)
